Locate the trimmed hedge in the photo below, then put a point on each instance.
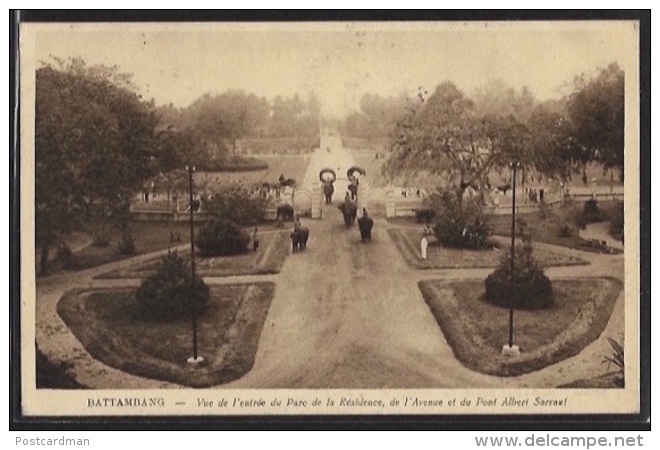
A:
(222, 238)
(234, 164)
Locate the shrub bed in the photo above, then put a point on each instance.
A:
(113, 330)
(476, 329)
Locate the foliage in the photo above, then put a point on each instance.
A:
(93, 146)
(65, 256)
(234, 164)
(497, 99)
(617, 357)
(459, 224)
(54, 375)
(222, 238)
(596, 110)
(591, 212)
(127, 243)
(101, 236)
(166, 295)
(376, 118)
(617, 222)
(533, 289)
(236, 203)
(446, 136)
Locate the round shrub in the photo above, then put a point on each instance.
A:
(222, 238)
(533, 290)
(166, 295)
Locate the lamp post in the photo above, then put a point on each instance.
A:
(512, 350)
(195, 359)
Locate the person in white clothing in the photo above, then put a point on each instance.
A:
(425, 244)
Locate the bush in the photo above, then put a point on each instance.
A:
(166, 294)
(459, 226)
(424, 215)
(66, 257)
(222, 238)
(591, 212)
(533, 289)
(101, 237)
(237, 203)
(127, 243)
(617, 221)
(565, 230)
(54, 375)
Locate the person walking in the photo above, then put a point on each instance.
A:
(255, 240)
(424, 245)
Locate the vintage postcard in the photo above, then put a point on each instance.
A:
(341, 218)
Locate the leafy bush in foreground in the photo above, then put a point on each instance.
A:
(533, 289)
(459, 224)
(166, 295)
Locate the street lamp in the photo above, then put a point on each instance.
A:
(512, 350)
(195, 359)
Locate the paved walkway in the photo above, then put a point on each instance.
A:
(344, 315)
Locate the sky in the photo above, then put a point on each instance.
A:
(339, 62)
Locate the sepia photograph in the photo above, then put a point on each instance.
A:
(330, 218)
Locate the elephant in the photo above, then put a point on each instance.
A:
(328, 190)
(285, 212)
(299, 238)
(349, 211)
(365, 223)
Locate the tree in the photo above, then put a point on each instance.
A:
(376, 118)
(498, 99)
(94, 146)
(596, 110)
(446, 137)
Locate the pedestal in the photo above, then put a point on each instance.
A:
(510, 352)
(195, 361)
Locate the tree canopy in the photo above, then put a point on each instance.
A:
(94, 145)
(460, 140)
(596, 110)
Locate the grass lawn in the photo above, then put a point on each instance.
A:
(112, 329)
(477, 330)
(289, 166)
(408, 240)
(279, 146)
(547, 229)
(149, 237)
(273, 249)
